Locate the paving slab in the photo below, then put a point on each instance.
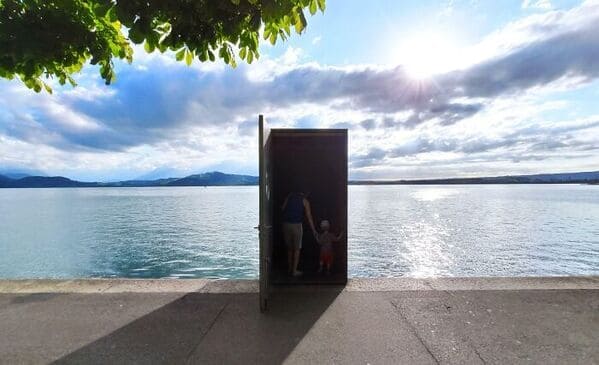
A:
(505, 326)
(407, 321)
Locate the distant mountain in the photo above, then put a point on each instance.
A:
(5, 181)
(160, 173)
(206, 179)
(17, 173)
(214, 178)
(137, 183)
(217, 178)
(560, 178)
(565, 177)
(41, 182)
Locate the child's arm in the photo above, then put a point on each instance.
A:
(316, 236)
(339, 236)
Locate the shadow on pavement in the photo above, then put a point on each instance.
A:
(34, 297)
(213, 328)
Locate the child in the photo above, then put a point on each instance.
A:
(325, 240)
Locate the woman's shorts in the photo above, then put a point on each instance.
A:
(292, 234)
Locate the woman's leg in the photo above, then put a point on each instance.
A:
(290, 251)
(296, 257)
(289, 238)
(298, 247)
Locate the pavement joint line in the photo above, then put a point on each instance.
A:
(447, 285)
(429, 284)
(206, 332)
(110, 285)
(413, 330)
(478, 354)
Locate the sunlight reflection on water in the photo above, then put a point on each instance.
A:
(428, 193)
(474, 230)
(421, 231)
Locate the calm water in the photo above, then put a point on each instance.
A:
(494, 230)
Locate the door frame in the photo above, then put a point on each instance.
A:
(265, 213)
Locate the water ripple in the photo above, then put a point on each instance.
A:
(393, 231)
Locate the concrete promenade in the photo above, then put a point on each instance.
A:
(369, 321)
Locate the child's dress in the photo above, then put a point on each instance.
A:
(326, 247)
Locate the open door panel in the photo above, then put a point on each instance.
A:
(315, 162)
(265, 214)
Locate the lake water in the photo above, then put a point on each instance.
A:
(419, 231)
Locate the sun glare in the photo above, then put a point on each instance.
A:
(426, 54)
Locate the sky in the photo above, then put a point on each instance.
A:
(427, 89)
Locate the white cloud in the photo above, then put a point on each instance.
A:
(489, 117)
(531, 29)
(266, 68)
(538, 4)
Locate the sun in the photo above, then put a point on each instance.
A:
(426, 54)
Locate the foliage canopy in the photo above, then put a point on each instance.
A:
(55, 38)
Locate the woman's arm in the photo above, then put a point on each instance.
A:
(285, 202)
(308, 211)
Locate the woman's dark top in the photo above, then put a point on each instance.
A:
(294, 210)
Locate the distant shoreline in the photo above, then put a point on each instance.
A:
(351, 183)
(217, 178)
(407, 182)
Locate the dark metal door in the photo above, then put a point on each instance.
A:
(265, 215)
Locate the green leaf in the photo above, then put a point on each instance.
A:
(100, 10)
(148, 47)
(188, 57)
(111, 15)
(57, 38)
(180, 54)
(37, 85)
(47, 87)
(135, 35)
(313, 7)
(322, 5)
(71, 81)
(303, 20)
(299, 21)
(203, 56)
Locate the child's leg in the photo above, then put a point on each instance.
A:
(320, 262)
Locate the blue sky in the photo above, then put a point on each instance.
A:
(427, 89)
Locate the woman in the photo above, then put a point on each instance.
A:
(294, 208)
